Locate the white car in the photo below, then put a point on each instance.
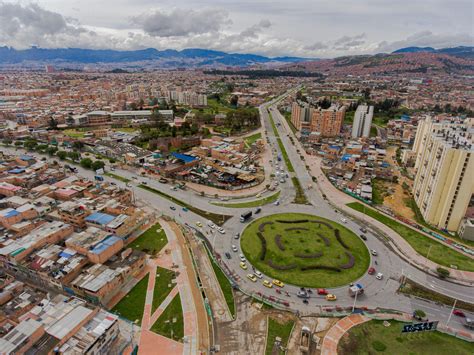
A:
(379, 276)
(221, 230)
(237, 236)
(343, 220)
(234, 248)
(373, 252)
(277, 203)
(258, 274)
(211, 225)
(242, 258)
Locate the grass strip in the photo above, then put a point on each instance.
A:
(255, 203)
(277, 329)
(151, 241)
(218, 219)
(132, 305)
(171, 322)
(226, 287)
(163, 286)
(424, 245)
(300, 197)
(117, 177)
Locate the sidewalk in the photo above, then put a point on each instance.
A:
(332, 338)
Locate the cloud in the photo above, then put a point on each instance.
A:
(427, 39)
(254, 30)
(349, 42)
(182, 22)
(316, 46)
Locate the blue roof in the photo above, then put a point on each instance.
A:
(26, 157)
(12, 213)
(100, 218)
(105, 244)
(335, 147)
(64, 255)
(346, 157)
(184, 157)
(16, 171)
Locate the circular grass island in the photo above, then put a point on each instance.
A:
(305, 250)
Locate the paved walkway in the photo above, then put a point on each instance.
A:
(332, 338)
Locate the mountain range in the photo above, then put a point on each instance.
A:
(461, 51)
(193, 57)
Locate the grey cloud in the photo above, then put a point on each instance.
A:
(182, 22)
(428, 39)
(253, 31)
(349, 42)
(316, 46)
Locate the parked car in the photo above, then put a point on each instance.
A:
(172, 208)
(277, 203)
(379, 276)
(468, 323)
(371, 271)
(252, 277)
(322, 291)
(199, 224)
(185, 209)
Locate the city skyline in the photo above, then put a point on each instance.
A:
(310, 29)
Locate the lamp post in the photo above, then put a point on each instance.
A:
(451, 313)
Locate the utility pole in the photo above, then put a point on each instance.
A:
(429, 250)
(451, 313)
(355, 300)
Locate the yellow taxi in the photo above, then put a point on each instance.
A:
(243, 265)
(199, 224)
(331, 297)
(278, 283)
(252, 277)
(267, 283)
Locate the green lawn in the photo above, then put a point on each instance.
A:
(287, 116)
(118, 177)
(301, 247)
(374, 338)
(438, 253)
(284, 154)
(151, 241)
(300, 197)
(252, 139)
(171, 322)
(277, 329)
(163, 286)
(218, 219)
(132, 305)
(249, 204)
(226, 287)
(74, 133)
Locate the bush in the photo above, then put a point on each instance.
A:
(378, 345)
(323, 267)
(326, 239)
(442, 272)
(264, 246)
(419, 313)
(281, 267)
(350, 264)
(279, 243)
(339, 239)
(295, 221)
(309, 256)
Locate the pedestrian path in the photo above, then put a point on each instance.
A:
(334, 334)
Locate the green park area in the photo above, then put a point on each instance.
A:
(171, 322)
(250, 204)
(424, 245)
(281, 329)
(375, 337)
(151, 241)
(131, 306)
(249, 140)
(305, 250)
(163, 286)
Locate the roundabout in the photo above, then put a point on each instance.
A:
(305, 250)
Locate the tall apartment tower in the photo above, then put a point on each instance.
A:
(362, 121)
(444, 181)
(327, 122)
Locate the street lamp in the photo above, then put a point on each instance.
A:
(451, 313)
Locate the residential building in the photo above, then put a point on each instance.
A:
(362, 121)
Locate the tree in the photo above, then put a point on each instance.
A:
(78, 145)
(53, 124)
(7, 141)
(61, 154)
(74, 155)
(51, 150)
(86, 163)
(30, 145)
(442, 272)
(98, 164)
(234, 100)
(18, 143)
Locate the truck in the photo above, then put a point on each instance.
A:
(245, 216)
(99, 178)
(356, 289)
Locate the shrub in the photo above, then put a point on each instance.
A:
(280, 267)
(264, 246)
(324, 267)
(296, 229)
(279, 243)
(261, 227)
(326, 239)
(350, 264)
(378, 345)
(442, 272)
(339, 239)
(309, 256)
(294, 221)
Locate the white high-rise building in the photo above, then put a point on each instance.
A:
(362, 121)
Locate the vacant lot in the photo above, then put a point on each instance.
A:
(438, 252)
(374, 338)
(305, 251)
(277, 329)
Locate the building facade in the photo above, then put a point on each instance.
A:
(362, 121)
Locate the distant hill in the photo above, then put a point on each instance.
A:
(193, 57)
(461, 51)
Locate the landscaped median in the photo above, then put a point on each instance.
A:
(117, 177)
(249, 204)
(218, 219)
(423, 245)
(300, 197)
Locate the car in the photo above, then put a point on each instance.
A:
(278, 283)
(343, 220)
(371, 271)
(282, 181)
(112, 168)
(234, 249)
(258, 274)
(173, 188)
(237, 236)
(459, 313)
(468, 323)
(373, 252)
(363, 237)
(322, 291)
(129, 185)
(258, 210)
(277, 203)
(134, 177)
(331, 297)
(252, 277)
(199, 224)
(379, 276)
(242, 258)
(363, 229)
(144, 183)
(211, 225)
(227, 255)
(302, 294)
(185, 209)
(243, 265)
(267, 283)
(221, 230)
(172, 208)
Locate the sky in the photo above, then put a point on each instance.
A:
(305, 28)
